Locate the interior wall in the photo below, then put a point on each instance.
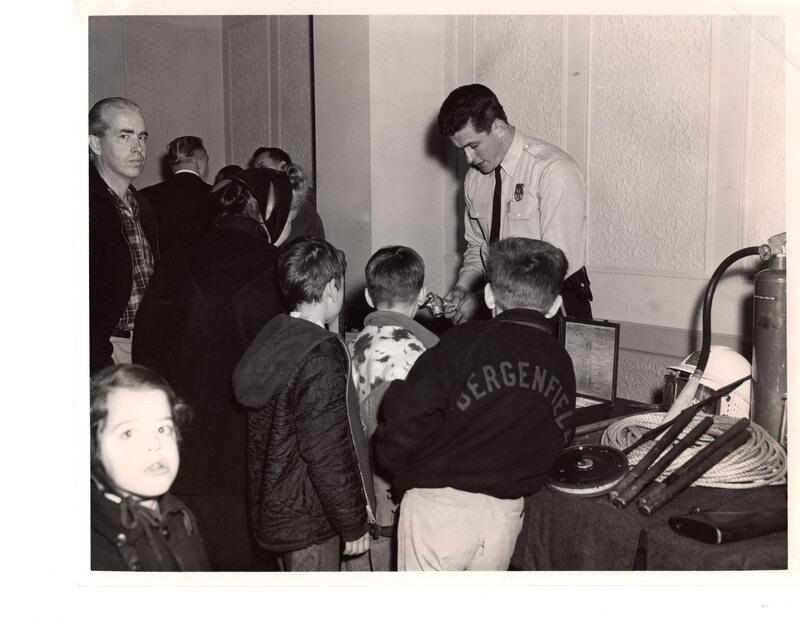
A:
(248, 84)
(408, 158)
(343, 139)
(681, 127)
(268, 87)
(296, 124)
(678, 123)
(383, 170)
(181, 97)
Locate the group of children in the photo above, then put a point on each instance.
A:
(402, 452)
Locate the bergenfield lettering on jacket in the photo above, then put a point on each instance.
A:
(491, 378)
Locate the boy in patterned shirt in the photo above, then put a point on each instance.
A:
(385, 350)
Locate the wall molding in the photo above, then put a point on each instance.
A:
(677, 342)
(646, 272)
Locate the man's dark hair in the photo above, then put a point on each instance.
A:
(525, 273)
(134, 377)
(394, 275)
(227, 171)
(305, 267)
(185, 149)
(98, 119)
(474, 103)
(273, 153)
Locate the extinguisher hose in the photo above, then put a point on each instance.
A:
(705, 348)
(686, 396)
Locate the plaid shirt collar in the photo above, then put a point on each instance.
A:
(127, 204)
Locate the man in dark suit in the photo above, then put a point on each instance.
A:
(182, 204)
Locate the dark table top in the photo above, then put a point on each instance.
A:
(567, 532)
(564, 532)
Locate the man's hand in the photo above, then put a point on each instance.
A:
(353, 548)
(452, 300)
(460, 305)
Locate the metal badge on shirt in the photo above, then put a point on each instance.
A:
(519, 191)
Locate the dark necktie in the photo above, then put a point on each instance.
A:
(494, 233)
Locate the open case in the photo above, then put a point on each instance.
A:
(593, 346)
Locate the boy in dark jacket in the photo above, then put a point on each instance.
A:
(309, 482)
(481, 418)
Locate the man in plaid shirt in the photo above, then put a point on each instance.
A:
(123, 246)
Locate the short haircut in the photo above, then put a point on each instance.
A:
(474, 103)
(525, 273)
(305, 267)
(98, 115)
(394, 275)
(134, 377)
(185, 149)
(273, 153)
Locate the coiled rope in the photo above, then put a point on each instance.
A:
(759, 461)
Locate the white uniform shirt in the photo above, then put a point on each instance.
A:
(543, 197)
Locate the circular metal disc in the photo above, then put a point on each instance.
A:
(587, 470)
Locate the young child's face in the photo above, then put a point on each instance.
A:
(137, 443)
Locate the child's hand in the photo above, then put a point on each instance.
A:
(353, 548)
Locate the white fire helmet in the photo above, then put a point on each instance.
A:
(724, 366)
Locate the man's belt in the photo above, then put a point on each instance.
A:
(578, 283)
(377, 531)
(125, 334)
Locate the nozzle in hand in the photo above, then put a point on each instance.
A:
(438, 306)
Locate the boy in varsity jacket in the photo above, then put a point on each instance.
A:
(480, 419)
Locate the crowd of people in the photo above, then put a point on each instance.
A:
(236, 432)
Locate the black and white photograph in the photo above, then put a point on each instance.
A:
(425, 308)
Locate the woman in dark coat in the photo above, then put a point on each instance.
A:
(305, 219)
(206, 302)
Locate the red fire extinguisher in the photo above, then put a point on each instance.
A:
(769, 341)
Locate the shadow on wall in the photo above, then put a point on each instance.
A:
(452, 161)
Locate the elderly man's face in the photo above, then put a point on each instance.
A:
(122, 150)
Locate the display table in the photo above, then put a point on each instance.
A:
(568, 533)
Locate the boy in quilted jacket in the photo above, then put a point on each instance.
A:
(385, 350)
(309, 483)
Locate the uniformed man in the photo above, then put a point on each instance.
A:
(516, 186)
